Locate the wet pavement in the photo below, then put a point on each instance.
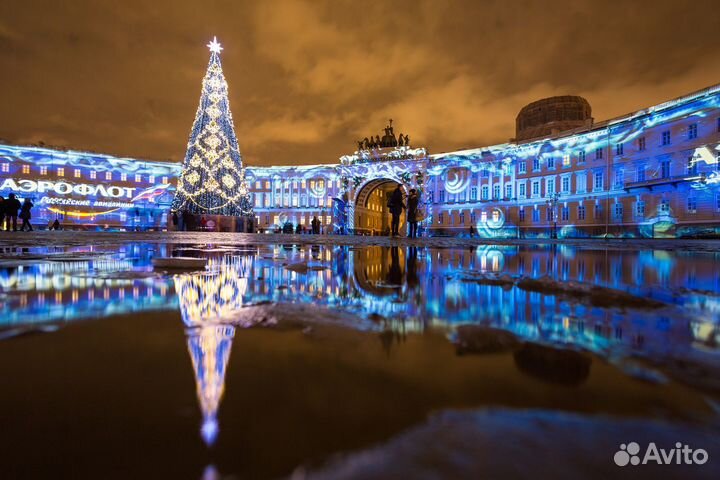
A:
(354, 357)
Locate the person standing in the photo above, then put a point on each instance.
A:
(12, 205)
(396, 207)
(25, 214)
(412, 211)
(315, 223)
(2, 213)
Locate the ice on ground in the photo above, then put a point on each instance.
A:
(478, 339)
(488, 443)
(292, 315)
(595, 295)
(304, 267)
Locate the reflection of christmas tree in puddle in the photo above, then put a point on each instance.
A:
(209, 348)
(204, 299)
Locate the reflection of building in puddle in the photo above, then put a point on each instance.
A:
(71, 290)
(205, 298)
(209, 347)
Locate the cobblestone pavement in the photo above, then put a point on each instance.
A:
(46, 238)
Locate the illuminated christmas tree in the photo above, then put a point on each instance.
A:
(213, 178)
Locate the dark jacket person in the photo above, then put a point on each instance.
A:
(412, 210)
(26, 215)
(396, 207)
(12, 205)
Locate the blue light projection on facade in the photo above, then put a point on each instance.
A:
(651, 173)
(88, 189)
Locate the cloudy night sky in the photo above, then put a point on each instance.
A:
(308, 79)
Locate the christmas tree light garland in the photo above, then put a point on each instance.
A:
(213, 177)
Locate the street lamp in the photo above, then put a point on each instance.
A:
(552, 203)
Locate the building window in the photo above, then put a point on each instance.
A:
(641, 144)
(692, 205)
(472, 218)
(692, 166)
(473, 193)
(43, 170)
(618, 210)
(581, 212)
(664, 207)
(108, 175)
(138, 178)
(641, 173)
(551, 162)
(565, 214)
(619, 177)
(257, 184)
(26, 168)
(566, 161)
(566, 184)
(440, 218)
(598, 181)
(581, 156)
(549, 214)
(462, 218)
(60, 172)
(718, 125)
(550, 186)
(508, 190)
(123, 177)
(521, 190)
(640, 208)
(717, 201)
(77, 173)
(521, 167)
(598, 211)
(442, 196)
(536, 215)
(536, 188)
(485, 172)
(93, 174)
(5, 167)
(598, 154)
(496, 191)
(666, 137)
(619, 149)
(665, 169)
(484, 192)
(536, 165)
(521, 213)
(581, 183)
(692, 131)
(151, 179)
(165, 180)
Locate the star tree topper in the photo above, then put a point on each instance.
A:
(214, 46)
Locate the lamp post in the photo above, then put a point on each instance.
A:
(552, 203)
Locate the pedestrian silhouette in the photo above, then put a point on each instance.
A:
(25, 215)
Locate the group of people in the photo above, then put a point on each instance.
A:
(396, 206)
(10, 209)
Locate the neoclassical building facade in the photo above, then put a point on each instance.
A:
(651, 173)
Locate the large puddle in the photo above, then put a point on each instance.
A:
(355, 362)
